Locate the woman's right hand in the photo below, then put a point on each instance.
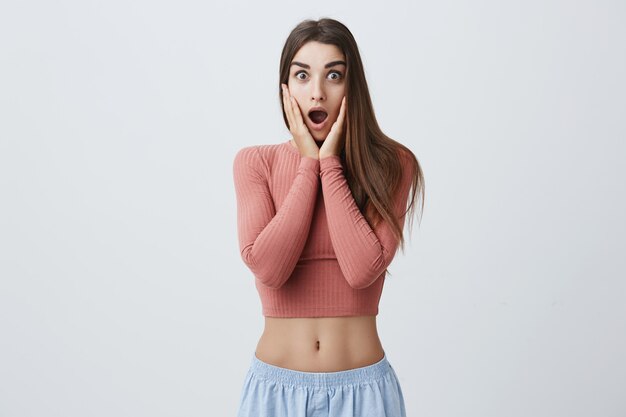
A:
(299, 130)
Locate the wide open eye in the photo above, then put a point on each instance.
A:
(338, 77)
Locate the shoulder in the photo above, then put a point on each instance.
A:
(247, 163)
(407, 160)
(246, 155)
(257, 157)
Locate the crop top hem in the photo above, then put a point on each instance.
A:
(319, 312)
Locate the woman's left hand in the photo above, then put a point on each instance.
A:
(333, 144)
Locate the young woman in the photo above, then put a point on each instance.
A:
(320, 217)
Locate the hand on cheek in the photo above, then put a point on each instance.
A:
(333, 144)
(299, 130)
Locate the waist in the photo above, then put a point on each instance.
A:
(320, 344)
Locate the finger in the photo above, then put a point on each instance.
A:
(296, 109)
(293, 108)
(287, 107)
(342, 111)
(340, 118)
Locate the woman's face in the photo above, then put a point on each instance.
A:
(317, 78)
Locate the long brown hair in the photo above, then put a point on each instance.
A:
(371, 159)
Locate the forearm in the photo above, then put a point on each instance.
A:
(361, 255)
(271, 242)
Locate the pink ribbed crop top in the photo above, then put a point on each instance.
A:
(301, 233)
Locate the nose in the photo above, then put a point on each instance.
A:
(317, 91)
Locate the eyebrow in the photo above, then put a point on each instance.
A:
(330, 64)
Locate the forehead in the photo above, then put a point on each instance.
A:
(317, 54)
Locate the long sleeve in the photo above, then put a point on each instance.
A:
(363, 253)
(271, 241)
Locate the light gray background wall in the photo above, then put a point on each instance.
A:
(122, 292)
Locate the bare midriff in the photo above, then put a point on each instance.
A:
(320, 344)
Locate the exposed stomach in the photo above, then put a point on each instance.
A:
(320, 344)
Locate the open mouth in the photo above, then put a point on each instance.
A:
(318, 116)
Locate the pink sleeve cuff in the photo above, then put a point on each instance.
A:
(308, 163)
(330, 161)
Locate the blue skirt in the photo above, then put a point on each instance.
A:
(368, 391)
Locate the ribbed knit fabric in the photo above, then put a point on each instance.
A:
(310, 249)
